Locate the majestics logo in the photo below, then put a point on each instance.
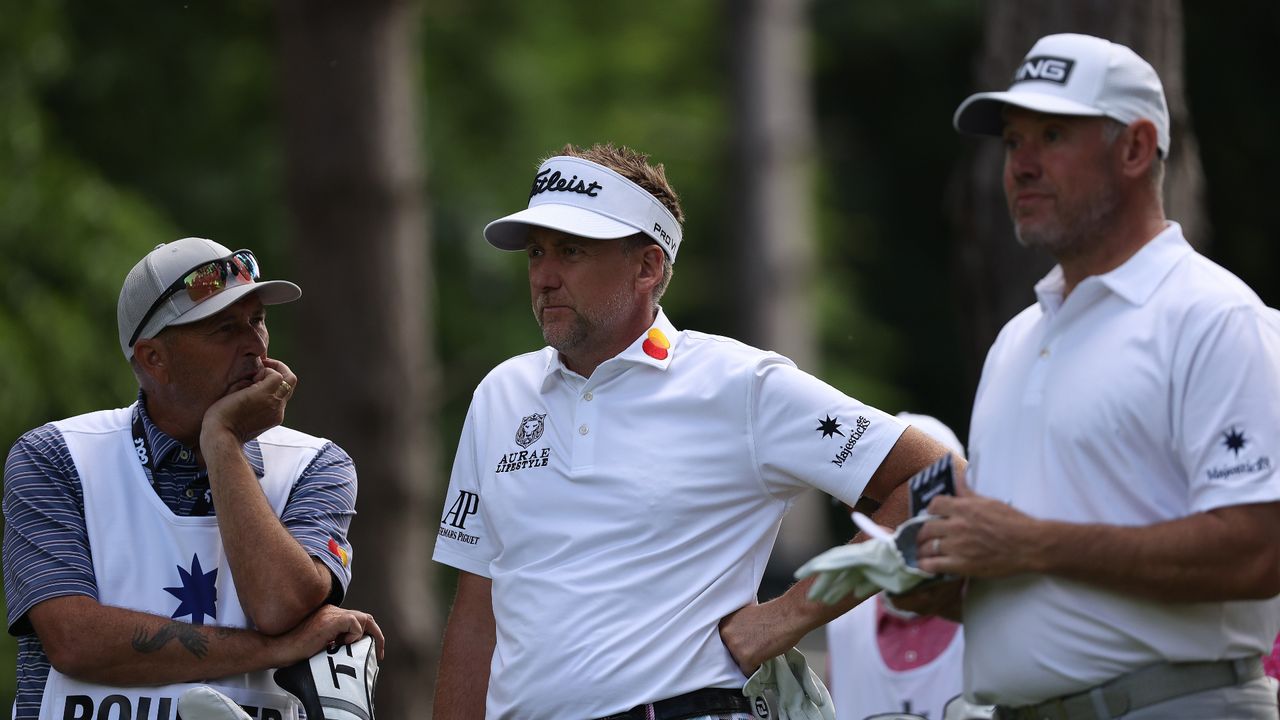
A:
(1235, 440)
(860, 427)
(1049, 69)
(829, 427)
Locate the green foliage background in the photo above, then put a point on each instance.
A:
(123, 125)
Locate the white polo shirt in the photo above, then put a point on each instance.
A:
(621, 516)
(1150, 394)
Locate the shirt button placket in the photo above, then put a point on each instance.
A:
(584, 444)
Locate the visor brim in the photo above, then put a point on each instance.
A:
(512, 232)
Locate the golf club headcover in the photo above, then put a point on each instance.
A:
(335, 684)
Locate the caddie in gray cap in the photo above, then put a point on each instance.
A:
(188, 280)
(192, 514)
(1120, 535)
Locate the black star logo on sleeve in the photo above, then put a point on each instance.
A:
(1234, 441)
(829, 427)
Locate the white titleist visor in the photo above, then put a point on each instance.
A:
(582, 198)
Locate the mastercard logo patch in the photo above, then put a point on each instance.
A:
(338, 552)
(656, 345)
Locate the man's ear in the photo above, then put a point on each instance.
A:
(152, 358)
(1140, 148)
(650, 270)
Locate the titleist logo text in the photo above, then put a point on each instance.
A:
(553, 181)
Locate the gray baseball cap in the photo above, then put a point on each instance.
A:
(144, 309)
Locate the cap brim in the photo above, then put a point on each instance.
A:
(512, 231)
(271, 292)
(982, 114)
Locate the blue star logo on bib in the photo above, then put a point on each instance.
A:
(198, 594)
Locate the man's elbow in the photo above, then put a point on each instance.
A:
(73, 659)
(1254, 576)
(1266, 577)
(278, 612)
(281, 615)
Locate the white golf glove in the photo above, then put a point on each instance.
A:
(335, 684)
(867, 567)
(205, 703)
(791, 689)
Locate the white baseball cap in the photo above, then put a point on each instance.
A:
(589, 200)
(1070, 74)
(155, 296)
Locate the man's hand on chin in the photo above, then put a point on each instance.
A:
(248, 412)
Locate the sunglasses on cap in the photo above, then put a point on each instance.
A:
(204, 281)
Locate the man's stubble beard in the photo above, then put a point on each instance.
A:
(588, 325)
(1076, 227)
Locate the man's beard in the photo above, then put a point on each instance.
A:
(588, 325)
(1076, 227)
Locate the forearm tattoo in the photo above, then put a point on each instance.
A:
(192, 639)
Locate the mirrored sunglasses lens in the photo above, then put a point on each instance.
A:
(206, 280)
(245, 265)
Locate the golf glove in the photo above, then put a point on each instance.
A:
(865, 568)
(789, 687)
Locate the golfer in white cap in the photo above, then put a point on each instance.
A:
(1122, 531)
(616, 494)
(186, 537)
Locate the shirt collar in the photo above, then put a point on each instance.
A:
(655, 347)
(1135, 280)
(166, 450)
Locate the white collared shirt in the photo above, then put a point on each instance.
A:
(1150, 394)
(621, 516)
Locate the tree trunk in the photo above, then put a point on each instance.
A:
(996, 274)
(773, 241)
(356, 203)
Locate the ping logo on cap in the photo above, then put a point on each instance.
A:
(1045, 68)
